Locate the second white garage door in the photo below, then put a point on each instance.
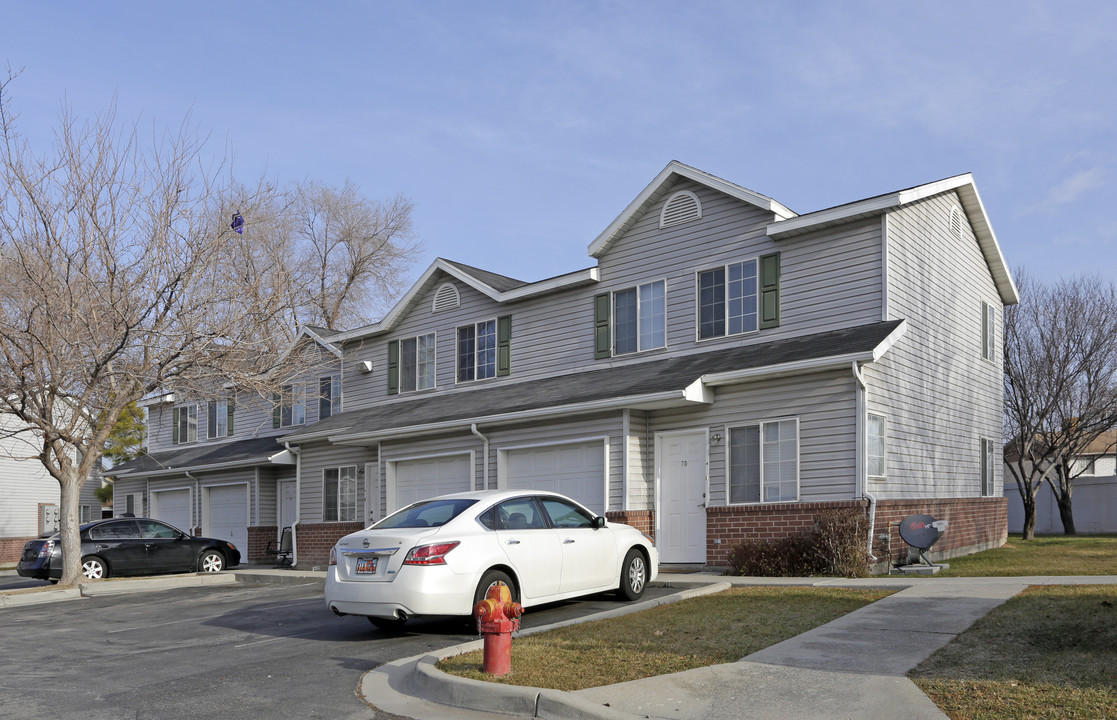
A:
(228, 515)
(416, 480)
(173, 506)
(576, 470)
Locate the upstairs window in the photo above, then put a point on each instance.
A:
(185, 427)
(329, 396)
(739, 297)
(640, 318)
(988, 332)
(411, 364)
(290, 406)
(477, 351)
(220, 419)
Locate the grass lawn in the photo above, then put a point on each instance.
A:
(701, 631)
(1045, 555)
(1050, 652)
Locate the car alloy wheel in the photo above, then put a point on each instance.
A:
(93, 568)
(212, 562)
(634, 575)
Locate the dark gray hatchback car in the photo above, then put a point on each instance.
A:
(129, 546)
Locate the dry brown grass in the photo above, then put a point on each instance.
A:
(693, 633)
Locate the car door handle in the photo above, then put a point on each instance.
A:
(567, 541)
(512, 542)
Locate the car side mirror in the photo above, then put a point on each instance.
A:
(599, 522)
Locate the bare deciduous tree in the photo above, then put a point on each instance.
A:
(1060, 349)
(121, 276)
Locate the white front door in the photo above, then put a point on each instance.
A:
(287, 499)
(681, 500)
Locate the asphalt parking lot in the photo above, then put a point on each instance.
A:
(239, 650)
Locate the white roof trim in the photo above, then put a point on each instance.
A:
(971, 204)
(160, 399)
(283, 457)
(677, 169)
(574, 279)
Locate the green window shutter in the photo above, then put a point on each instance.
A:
(770, 290)
(211, 419)
(229, 422)
(602, 345)
(174, 428)
(276, 411)
(504, 346)
(393, 367)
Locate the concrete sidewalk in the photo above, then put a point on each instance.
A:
(853, 667)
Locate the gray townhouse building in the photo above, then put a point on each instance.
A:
(723, 369)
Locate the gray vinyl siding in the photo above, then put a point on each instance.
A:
(937, 394)
(641, 463)
(315, 459)
(825, 405)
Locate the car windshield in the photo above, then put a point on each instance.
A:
(429, 513)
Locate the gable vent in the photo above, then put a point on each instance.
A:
(681, 207)
(956, 223)
(447, 298)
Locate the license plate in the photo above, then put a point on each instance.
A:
(366, 566)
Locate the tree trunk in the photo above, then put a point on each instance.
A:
(1066, 512)
(70, 519)
(1029, 501)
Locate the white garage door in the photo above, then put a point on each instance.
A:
(421, 479)
(173, 506)
(576, 470)
(228, 515)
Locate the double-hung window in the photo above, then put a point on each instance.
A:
(329, 396)
(339, 494)
(477, 351)
(764, 462)
(988, 332)
(875, 455)
(185, 427)
(416, 363)
(988, 463)
(727, 300)
(220, 419)
(290, 406)
(640, 318)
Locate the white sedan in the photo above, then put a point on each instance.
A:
(440, 556)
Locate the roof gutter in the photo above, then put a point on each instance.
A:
(862, 449)
(485, 472)
(275, 459)
(298, 505)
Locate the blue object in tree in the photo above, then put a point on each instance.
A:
(238, 223)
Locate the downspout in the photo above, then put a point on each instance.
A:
(862, 472)
(298, 502)
(485, 472)
(195, 529)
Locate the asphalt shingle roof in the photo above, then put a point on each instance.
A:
(248, 452)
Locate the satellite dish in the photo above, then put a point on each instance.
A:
(921, 531)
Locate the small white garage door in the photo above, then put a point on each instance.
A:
(576, 470)
(173, 506)
(421, 479)
(228, 515)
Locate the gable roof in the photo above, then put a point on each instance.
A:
(671, 382)
(971, 205)
(658, 187)
(500, 288)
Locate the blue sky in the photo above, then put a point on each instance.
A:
(520, 130)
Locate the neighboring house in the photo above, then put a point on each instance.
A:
(726, 369)
(29, 496)
(1094, 500)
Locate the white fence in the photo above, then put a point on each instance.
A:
(1094, 502)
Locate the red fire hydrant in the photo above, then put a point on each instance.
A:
(497, 618)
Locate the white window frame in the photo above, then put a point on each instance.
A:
(988, 465)
(762, 461)
(423, 372)
(475, 373)
(331, 401)
(186, 418)
(646, 337)
(292, 405)
(988, 332)
(727, 299)
(344, 485)
(870, 455)
(221, 415)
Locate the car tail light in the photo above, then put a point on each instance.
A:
(333, 555)
(429, 554)
(46, 549)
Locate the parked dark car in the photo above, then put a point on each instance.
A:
(129, 546)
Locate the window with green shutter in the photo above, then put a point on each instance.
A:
(393, 367)
(603, 336)
(769, 291)
(504, 345)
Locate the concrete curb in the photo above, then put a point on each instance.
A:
(8, 600)
(418, 677)
(166, 582)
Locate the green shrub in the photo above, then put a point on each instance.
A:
(836, 545)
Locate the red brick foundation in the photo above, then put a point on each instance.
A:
(258, 539)
(728, 525)
(642, 520)
(974, 524)
(11, 548)
(313, 542)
